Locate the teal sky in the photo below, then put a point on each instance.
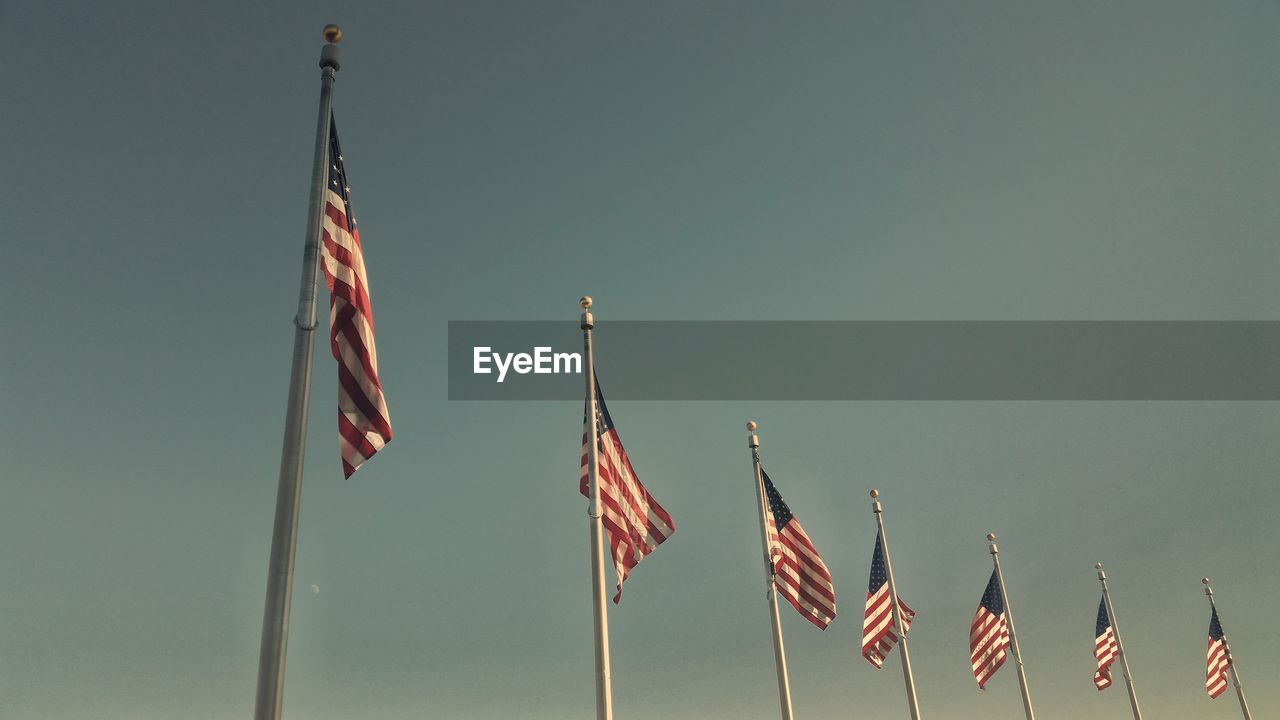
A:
(717, 160)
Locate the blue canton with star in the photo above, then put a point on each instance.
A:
(992, 600)
(878, 575)
(781, 513)
(338, 174)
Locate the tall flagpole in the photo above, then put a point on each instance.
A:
(284, 535)
(1226, 648)
(1013, 635)
(907, 676)
(1115, 630)
(595, 512)
(779, 653)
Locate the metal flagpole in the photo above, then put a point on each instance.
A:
(1013, 635)
(595, 512)
(284, 536)
(1115, 630)
(779, 653)
(1226, 648)
(907, 676)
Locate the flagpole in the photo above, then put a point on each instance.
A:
(1226, 647)
(907, 676)
(779, 653)
(595, 512)
(1115, 630)
(284, 535)
(1013, 635)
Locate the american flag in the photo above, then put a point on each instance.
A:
(989, 634)
(363, 423)
(798, 571)
(1215, 680)
(878, 632)
(1104, 647)
(634, 522)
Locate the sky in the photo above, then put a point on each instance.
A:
(904, 160)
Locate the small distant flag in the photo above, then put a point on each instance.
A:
(878, 632)
(989, 634)
(634, 522)
(1104, 647)
(364, 426)
(1215, 681)
(798, 571)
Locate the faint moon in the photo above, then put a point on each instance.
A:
(315, 589)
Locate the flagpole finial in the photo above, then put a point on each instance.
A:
(1097, 566)
(875, 494)
(751, 425)
(585, 302)
(329, 55)
(991, 537)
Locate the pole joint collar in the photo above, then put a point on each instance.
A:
(330, 57)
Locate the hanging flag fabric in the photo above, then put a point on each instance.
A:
(799, 574)
(633, 521)
(1215, 681)
(989, 634)
(878, 633)
(1104, 647)
(364, 426)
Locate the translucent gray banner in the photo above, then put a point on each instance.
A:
(835, 360)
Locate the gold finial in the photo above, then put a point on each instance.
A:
(751, 425)
(875, 494)
(991, 537)
(332, 33)
(585, 302)
(1204, 580)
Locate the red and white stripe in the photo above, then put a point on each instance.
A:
(1104, 649)
(878, 632)
(633, 521)
(988, 644)
(799, 573)
(1215, 681)
(364, 426)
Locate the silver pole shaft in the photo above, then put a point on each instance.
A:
(907, 676)
(1231, 660)
(779, 652)
(599, 599)
(1013, 637)
(284, 535)
(1235, 678)
(1115, 630)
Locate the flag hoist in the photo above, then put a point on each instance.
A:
(882, 636)
(1221, 662)
(619, 508)
(1006, 618)
(332, 246)
(595, 512)
(779, 652)
(1108, 646)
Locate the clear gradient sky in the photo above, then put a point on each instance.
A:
(715, 160)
